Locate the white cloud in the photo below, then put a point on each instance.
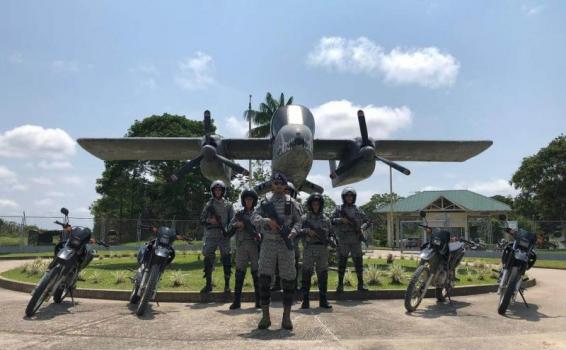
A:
(43, 181)
(532, 10)
(234, 127)
(82, 210)
(430, 188)
(32, 141)
(8, 204)
(72, 180)
(7, 176)
(46, 202)
(20, 187)
(340, 119)
(489, 188)
(16, 58)
(56, 194)
(54, 165)
(61, 66)
(427, 66)
(196, 72)
(145, 69)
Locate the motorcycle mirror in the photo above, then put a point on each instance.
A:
(64, 211)
(422, 214)
(503, 217)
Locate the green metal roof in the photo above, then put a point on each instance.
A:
(467, 200)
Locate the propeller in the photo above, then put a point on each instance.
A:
(209, 146)
(367, 149)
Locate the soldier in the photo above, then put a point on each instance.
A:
(247, 245)
(348, 220)
(279, 220)
(217, 213)
(317, 230)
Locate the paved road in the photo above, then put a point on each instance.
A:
(469, 323)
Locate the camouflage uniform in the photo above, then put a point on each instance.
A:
(349, 242)
(247, 250)
(274, 253)
(214, 238)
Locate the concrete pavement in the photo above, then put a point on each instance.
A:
(470, 322)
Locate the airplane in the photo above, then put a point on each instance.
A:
(291, 147)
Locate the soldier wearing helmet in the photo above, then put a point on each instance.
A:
(347, 220)
(216, 215)
(317, 230)
(278, 216)
(247, 245)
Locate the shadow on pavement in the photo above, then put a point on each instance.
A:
(268, 334)
(52, 310)
(441, 309)
(518, 311)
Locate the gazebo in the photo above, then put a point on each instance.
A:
(464, 213)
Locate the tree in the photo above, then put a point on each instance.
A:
(541, 178)
(262, 118)
(131, 188)
(507, 200)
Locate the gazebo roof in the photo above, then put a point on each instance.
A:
(449, 200)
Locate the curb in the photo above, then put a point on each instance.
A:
(219, 297)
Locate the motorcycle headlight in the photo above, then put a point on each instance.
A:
(75, 242)
(436, 241)
(164, 240)
(524, 243)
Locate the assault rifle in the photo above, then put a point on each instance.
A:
(248, 226)
(353, 222)
(211, 213)
(268, 209)
(320, 233)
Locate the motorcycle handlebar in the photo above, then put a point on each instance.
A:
(60, 223)
(104, 244)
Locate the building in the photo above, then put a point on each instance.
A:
(464, 213)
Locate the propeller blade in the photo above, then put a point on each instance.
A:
(344, 167)
(190, 165)
(233, 165)
(394, 165)
(207, 123)
(363, 128)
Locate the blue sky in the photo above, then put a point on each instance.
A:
(421, 69)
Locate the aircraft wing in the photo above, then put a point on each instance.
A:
(404, 150)
(143, 148)
(247, 148)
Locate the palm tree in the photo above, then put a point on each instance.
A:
(262, 118)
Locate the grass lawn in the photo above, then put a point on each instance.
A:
(103, 273)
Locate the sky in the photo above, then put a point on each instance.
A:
(466, 70)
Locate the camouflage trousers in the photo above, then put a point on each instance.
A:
(315, 254)
(349, 246)
(247, 251)
(274, 253)
(215, 241)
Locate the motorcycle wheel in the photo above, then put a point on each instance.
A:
(416, 289)
(42, 290)
(60, 294)
(509, 291)
(154, 275)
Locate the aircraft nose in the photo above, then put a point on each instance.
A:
(299, 140)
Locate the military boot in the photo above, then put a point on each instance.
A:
(341, 271)
(306, 289)
(358, 263)
(207, 275)
(265, 321)
(323, 288)
(288, 294)
(286, 320)
(227, 265)
(256, 288)
(240, 275)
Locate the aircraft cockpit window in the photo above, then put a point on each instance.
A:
(292, 114)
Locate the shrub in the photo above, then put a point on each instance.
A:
(349, 278)
(397, 274)
(177, 278)
(95, 277)
(82, 276)
(119, 277)
(372, 274)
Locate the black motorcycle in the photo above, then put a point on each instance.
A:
(518, 256)
(439, 259)
(71, 256)
(153, 258)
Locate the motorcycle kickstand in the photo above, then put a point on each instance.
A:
(522, 296)
(156, 300)
(72, 298)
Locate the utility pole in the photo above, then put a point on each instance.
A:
(390, 227)
(249, 116)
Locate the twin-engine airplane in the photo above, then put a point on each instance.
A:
(291, 148)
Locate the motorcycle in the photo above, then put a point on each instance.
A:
(518, 256)
(153, 258)
(71, 256)
(439, 259)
